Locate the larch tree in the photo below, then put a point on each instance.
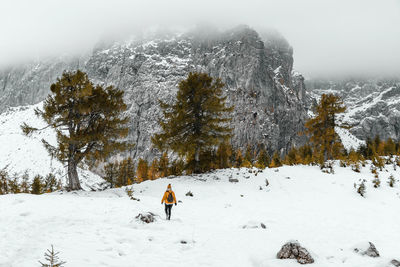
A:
(88, 120)
(321, 128)
(196, 122)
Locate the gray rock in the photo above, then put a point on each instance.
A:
(293, 250)
(372, 105)
(269, 98)
(395, 263)
(189, 194)
(148, 217)
(233, 180)
(367, 249)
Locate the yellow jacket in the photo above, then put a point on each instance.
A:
(165, 197)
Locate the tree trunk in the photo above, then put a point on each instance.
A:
(197, 160)
(73, 179)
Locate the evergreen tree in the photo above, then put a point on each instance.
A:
(111, 171)
(87, 119)
(263, 159)
(52, 259)
(50, 183)
(276, 160)
(389, 147)
(14, 185)
(238, 159)
(163, 165)
(195, 123)
(142, 171)
(223, 154)
(25, 185)
(126, 173)
(37, 185)
(4, 189)
(154, 170)
(321, 128)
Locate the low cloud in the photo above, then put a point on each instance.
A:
(328, 36)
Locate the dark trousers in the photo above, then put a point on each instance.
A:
(168, 208)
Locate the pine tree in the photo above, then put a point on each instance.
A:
(321, 128)
(154, 170)
(389, 147)
(50, 183)
(263, 159)
(163, 165)
(223, 155)
(52, 259)
(276, 160)
(196, 122)
(87, 119)
(238, 159)
(37, 185)
(4, 188)
(14, 185)
(111, 171)
(25, 185)
(249, 155)
(126, 173)
(142, 171)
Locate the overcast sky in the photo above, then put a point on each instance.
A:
(328, 36)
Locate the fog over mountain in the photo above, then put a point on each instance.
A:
(340, 37)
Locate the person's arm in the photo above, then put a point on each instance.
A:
(164, 197)
(173, 194)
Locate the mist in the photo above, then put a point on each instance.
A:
(329, 37)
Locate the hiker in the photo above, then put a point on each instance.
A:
(169, 199)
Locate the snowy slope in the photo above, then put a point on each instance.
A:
(20, 153)
(322, 211)
(349, 141)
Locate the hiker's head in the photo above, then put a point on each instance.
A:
(169, 187)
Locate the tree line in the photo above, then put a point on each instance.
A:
(91, 126)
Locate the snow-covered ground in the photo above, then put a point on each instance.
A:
(322, 211)
(19, 153)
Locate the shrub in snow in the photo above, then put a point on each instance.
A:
(361, 189)
(189, 194)
(367, 248)
(293, 250)
(148, 217)
(376, 181)
(391, 181)
(52, 259)
(129, 192)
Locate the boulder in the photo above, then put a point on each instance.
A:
(293, 250)
(148, 217)
(368, 249)
(189, 194)
(395, 263)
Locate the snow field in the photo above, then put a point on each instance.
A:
(322, 211)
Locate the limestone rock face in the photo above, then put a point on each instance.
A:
(293, 250)
(269, 97)
(373, 106)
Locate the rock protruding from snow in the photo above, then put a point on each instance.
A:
(233, 180)
(189, 194)
(395, 263)
(293, 250)
(148, 217)
(367, 249)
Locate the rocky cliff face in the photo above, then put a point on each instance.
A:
(373, 106)
(269, 98)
